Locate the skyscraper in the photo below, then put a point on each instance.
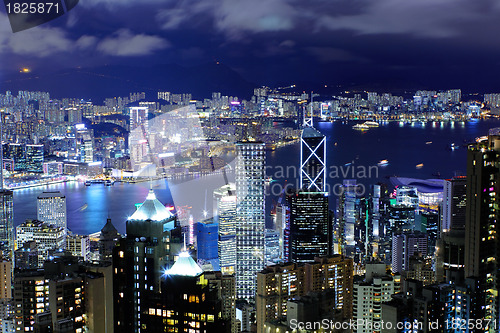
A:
(404, 246)
(47, 237)
(310, 227)
(454, 203)
(188, 302)
(139, 260)
(312, 160)
(250, 215)
(370, 294)
(6, 222)
(34, 158)
(138, 117)
(347, 218)
(51, 209)
(450, 249)
(482, 247)
(225, 215)
(280, 283)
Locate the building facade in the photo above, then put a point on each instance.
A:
(250, 211)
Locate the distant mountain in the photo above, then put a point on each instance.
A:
(113, 81)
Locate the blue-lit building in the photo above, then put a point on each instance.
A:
(207, 236)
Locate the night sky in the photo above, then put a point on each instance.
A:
(440, 44)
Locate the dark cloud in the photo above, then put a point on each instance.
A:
(268, 40)
(124, 43)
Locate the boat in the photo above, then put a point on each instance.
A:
(428, 142)
(361, 127)
(81, 209)
(383, 163)
(268, 180)
(420, 166)
(371, 124)
(109, 182)
(88, 183)
(453, 146)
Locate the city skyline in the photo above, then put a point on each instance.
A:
(228, 166)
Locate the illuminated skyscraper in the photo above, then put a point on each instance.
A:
(454, 203)
(312, 161)
(482, 230)
(450, 250)
(310, 227)
(225, 215)
(138, 117)
(6, 223)
(139, 261)
(250, 215)
(34, 158)
(347, 218)
(51, 209)
(189, 301)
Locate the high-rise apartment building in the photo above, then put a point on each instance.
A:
(47, 238)
(51, 209)
(278, 284)
(369, 295)
(78, 246)
(404, 246)
(250, 215)
(482, 246)
(139, 117)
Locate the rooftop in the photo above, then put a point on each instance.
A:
(151, 209)
(184, 266)
(55, 194)
(311, 132)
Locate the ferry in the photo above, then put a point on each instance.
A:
(383, 163)
(420, 166)
(361, 127)
(371, 124)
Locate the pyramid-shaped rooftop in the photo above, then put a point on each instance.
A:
(151, 209)
(184, 266)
